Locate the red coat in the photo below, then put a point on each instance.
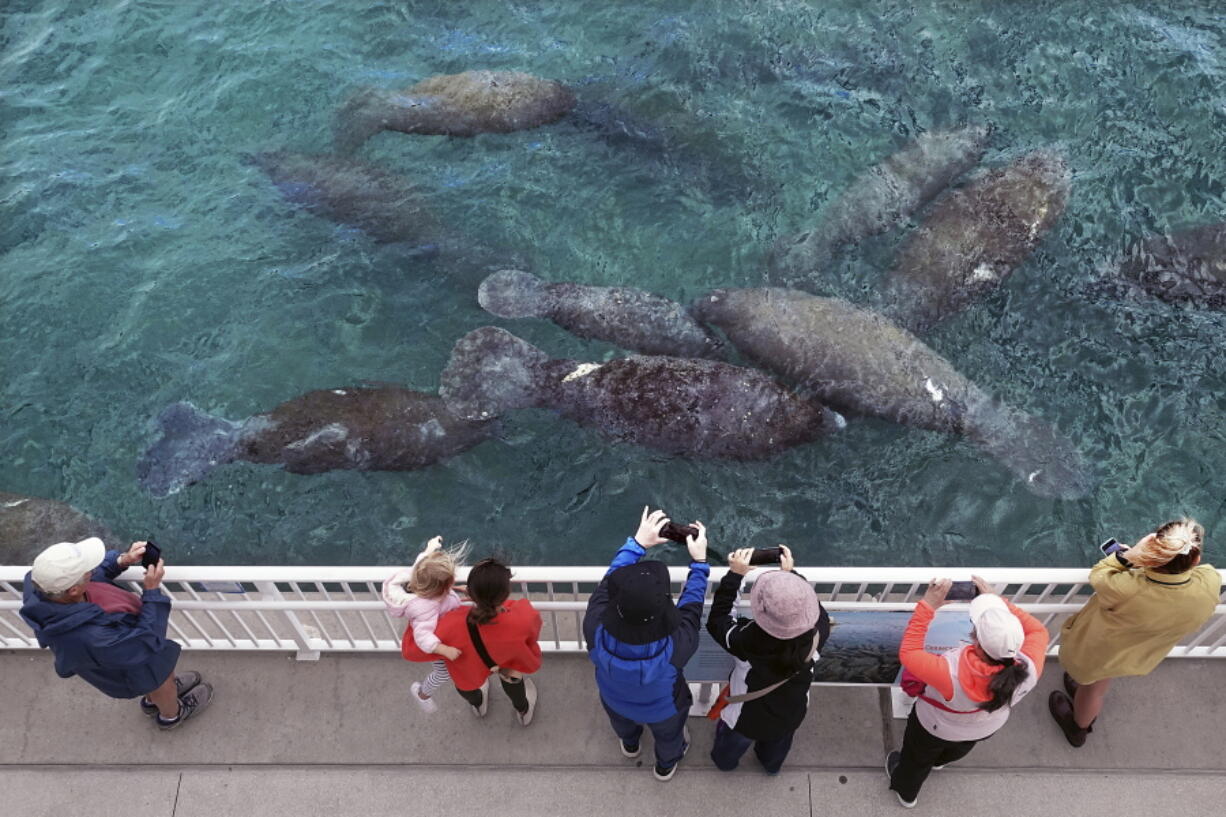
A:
(510, 639)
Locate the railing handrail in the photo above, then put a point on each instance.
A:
(311, 609)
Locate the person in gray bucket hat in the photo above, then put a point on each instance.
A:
(767, 694)
(639, 641)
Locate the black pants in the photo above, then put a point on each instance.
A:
(922, 750)
(513, 687)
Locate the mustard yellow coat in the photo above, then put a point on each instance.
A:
(1134, 618)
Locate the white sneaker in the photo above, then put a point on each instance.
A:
(480, 711)
(427, 704)
(525, 718)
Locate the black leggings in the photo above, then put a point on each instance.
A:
(513, 687)
(921, 750)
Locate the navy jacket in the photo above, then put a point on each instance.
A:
(644, 682)
(124, 655)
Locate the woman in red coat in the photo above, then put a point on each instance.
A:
(507, 629)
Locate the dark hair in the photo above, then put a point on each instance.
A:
(489, 585)
(1004, 682)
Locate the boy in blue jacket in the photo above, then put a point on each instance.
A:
(109, 636)
(640, 642)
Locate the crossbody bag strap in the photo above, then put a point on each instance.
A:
(759, 693)
(479, 645)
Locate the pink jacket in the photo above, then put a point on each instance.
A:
(423, 614)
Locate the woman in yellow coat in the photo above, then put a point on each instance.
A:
(1146, 598)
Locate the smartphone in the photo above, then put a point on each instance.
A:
(766, 556)
(152, 554)
(677, 533)
(1110, 546)
(962, 591)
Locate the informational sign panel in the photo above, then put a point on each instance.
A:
(862, 648)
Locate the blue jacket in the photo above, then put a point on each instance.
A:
(644, 682)
(124, 655)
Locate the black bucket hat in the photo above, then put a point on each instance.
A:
(641, 608)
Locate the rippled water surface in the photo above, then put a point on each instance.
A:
(145, 261)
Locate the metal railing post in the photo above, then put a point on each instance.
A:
(306, 649)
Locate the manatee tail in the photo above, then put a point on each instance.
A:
(357, 120)
(491, 371)
(510, 293)
(192, 444)
(1046, 460)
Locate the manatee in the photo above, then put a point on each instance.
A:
(361, 428)
(695, 408)
(28, 524)
(973, 238)
(878, 199)
(630, 318)
(454, 105)
(385, 205)
(857, 361)
(1185, 267)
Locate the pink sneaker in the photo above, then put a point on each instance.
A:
(427, 704)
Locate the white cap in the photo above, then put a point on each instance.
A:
(65, 564)
(997, 630)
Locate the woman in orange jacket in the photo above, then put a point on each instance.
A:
(968, 692)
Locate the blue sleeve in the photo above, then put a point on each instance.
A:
(689, 608)
(141, 643)
(627, 554)
(109, 569)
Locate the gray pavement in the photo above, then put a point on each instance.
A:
(340, 736)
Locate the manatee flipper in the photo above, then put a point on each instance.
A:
(1046, 460)
(511, 293)
(192, 444)
(491, 371)
(358, 120)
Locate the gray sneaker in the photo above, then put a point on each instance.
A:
(185, 682)
(190, 704)
(525, 718)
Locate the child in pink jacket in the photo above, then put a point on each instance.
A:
(421, 594)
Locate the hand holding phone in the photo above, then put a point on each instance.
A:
(678, 533)
(1111, 546)
(766, 556)
(153, 554)
(962, 591)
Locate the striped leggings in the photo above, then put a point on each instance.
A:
(437, 677)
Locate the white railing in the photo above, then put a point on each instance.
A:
(310, 610)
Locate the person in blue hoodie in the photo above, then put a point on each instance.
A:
(112, 638)
(640, 642)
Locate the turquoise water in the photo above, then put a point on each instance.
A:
(144, 261)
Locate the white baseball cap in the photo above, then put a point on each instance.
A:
(997, 630)
(65, 564)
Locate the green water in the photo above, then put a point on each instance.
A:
(144, 262)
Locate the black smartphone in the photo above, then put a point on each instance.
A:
(152, 554)
(766, 556)
(1110, 546)
(677, 533)
(962, 591)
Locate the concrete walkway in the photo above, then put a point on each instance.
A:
(341, 737)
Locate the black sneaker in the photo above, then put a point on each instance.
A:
(190, 704)
(184, 683)
(630, 750)
(666, 774)
(1061, 708)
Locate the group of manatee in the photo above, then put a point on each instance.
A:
(813, 359)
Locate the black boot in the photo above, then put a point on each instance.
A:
(1061, 707)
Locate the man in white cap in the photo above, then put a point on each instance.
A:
(109, 636)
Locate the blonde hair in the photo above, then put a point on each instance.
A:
(1175, 546)
(434, 573)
